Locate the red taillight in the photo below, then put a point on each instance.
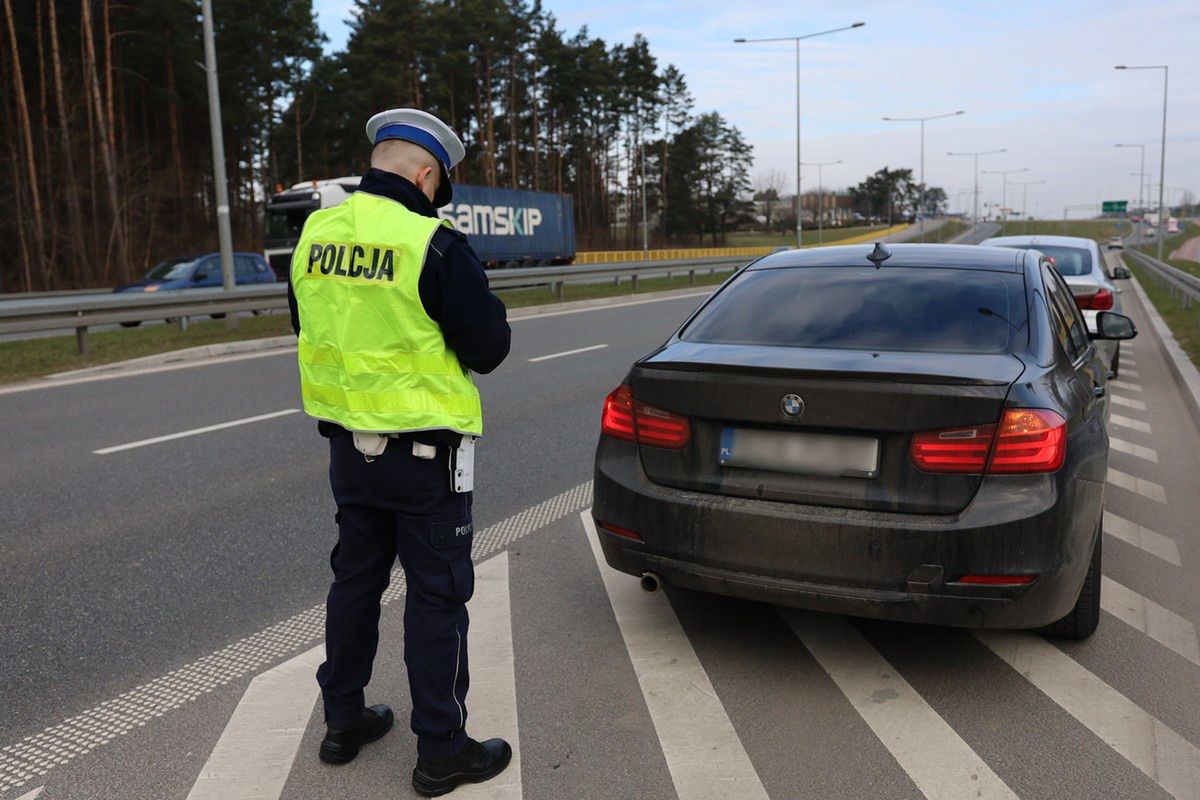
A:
(997, 580)
(1029, 440)
(955, 450)
(635, 421)
(1026, 440)
(619, 531)
(617, 419)
(1100, 301)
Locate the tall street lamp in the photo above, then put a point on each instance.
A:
(1162, 160)
(797, 40)
(820, 194)
(975, 212)
(923, 120)
(224, 235)
(1004, 173)
(1025, 201)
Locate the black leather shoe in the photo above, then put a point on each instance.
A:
(475, 763)
(340, 745)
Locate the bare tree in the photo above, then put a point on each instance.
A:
(27, 139)
(767, 188)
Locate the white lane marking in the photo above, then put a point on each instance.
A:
(1133, 424)
(32, 795)
(568, 311)
(60, 744)
(493, 698)
(1126, 386)
(1166, 757)
(54, 383)
(936, 758)
(1129, 361)
(1129, 373)
(1154, 543)
(1122, 446)
(195, 431)
(1136, 405)
(253, 757)
(568, 353)
(1161, 624)
(1145, 488)
(704, 754)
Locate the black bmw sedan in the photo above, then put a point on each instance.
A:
(914, 433)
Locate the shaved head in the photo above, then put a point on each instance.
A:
(410, 161)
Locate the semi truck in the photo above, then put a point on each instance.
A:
(506, 227)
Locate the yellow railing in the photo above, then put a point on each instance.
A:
(618, 256)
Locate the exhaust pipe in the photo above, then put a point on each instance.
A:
(651, 582)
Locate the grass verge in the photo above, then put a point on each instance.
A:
(1098, 229)
(34, 358)
(1183, 322)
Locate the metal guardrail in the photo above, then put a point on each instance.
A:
(49, 313)
(1183, 286)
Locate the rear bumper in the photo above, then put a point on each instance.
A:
(902, 567)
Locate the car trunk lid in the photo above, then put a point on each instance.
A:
(886, 396)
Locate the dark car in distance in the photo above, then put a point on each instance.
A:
(913, 434)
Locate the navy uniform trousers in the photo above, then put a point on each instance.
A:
(400, 505)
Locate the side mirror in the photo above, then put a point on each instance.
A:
(1121, 274)
(1110, 325)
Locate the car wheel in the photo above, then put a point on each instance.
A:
(131, 324)
(217, 316)
(1085, 616)
(1116, 364)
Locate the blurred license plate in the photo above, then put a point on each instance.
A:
(801, 453)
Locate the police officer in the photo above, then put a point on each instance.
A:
(392, 310)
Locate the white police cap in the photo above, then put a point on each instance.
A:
(426, 130)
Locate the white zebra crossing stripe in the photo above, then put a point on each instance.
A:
(1163, 755)
(1160, 624)
(1122, 446)
(1153, 543)
(32, 795)
(1132, 424)
(1129, 373)
(254, 755)
(1136, 405)
(492, 701)
(938, 761)
(1138, 485)
(1126, 386)
(704, 754)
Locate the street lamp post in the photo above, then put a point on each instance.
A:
(1025, 201)
(224, 235)
(1004, 173)
(975, 211)
(1162, 160)
(820, 194)
(797, 40)
(922, 120)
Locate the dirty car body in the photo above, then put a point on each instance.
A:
(835, 435)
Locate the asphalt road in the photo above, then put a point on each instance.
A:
(162, 614)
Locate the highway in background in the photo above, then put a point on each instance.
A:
(165, 555)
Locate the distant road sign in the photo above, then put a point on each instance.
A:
(1114, 206)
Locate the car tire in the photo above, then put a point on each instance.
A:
(1115, 369)
(131, 324)
(1085, 616)
(217, 316)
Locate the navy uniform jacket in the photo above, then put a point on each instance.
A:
(453, 289)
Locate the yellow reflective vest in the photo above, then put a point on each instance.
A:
(370, 358)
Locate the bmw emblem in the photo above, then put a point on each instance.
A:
(792, 405)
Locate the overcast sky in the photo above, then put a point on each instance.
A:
(1036, 78)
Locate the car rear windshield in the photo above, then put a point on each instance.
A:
(908, 309)
(1067, 260)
